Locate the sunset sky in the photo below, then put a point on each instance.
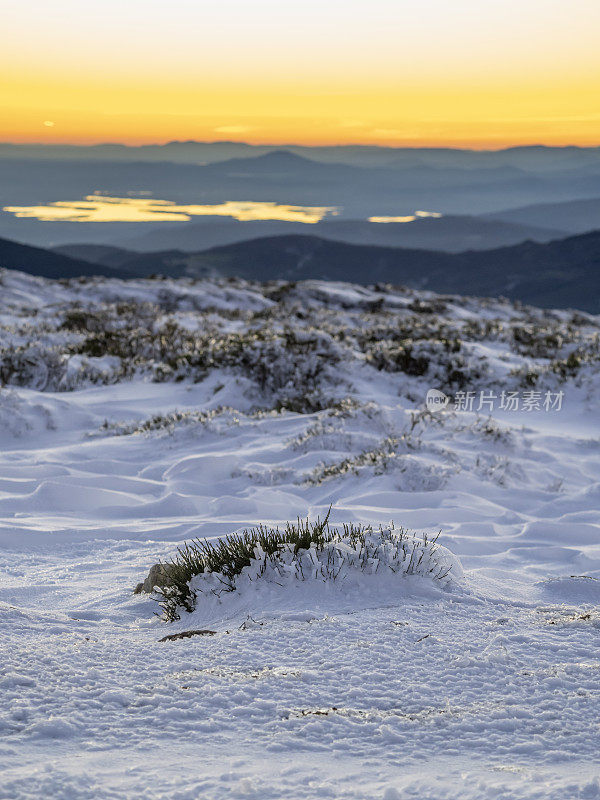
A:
(481, 73)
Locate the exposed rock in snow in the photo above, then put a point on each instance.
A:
(159, 575)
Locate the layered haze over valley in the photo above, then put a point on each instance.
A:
(517, 222)
(485, 198)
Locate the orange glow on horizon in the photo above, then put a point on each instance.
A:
(478, 117)
(468, 74)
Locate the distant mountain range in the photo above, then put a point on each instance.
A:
(359, 182)
(48, 263)
(575, 216)
(537, 157)
(449, 233)
(505, 215)
(562, 273)
(129, 264)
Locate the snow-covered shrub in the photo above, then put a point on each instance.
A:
(299, 344)
(559, 370)
(165, 422)
(378, 457)
(20, 417)
(35, 366)
(49, 369)
(440, 360)
(393, 357)
(302, 551)
(416, 346)
(538, 341)
(287, 363)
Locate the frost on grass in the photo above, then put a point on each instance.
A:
(166, 422)
(302, 551)
(379, 457)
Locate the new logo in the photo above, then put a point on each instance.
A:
(436, 400)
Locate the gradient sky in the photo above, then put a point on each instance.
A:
(482, 73)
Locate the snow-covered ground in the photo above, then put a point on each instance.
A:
(212, 406)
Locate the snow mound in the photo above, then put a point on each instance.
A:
(573, 589)
(373, 566)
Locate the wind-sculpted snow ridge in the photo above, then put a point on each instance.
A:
(355, 559)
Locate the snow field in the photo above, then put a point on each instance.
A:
(485, 688)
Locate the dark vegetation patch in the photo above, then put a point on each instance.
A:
(295, 341)
(173, 637)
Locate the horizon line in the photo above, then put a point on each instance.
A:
(283, 146)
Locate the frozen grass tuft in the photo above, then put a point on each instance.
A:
(227, 557)
(379, 458)
(302, 551)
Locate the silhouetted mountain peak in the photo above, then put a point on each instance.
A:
(283, 157)
(273, 161)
